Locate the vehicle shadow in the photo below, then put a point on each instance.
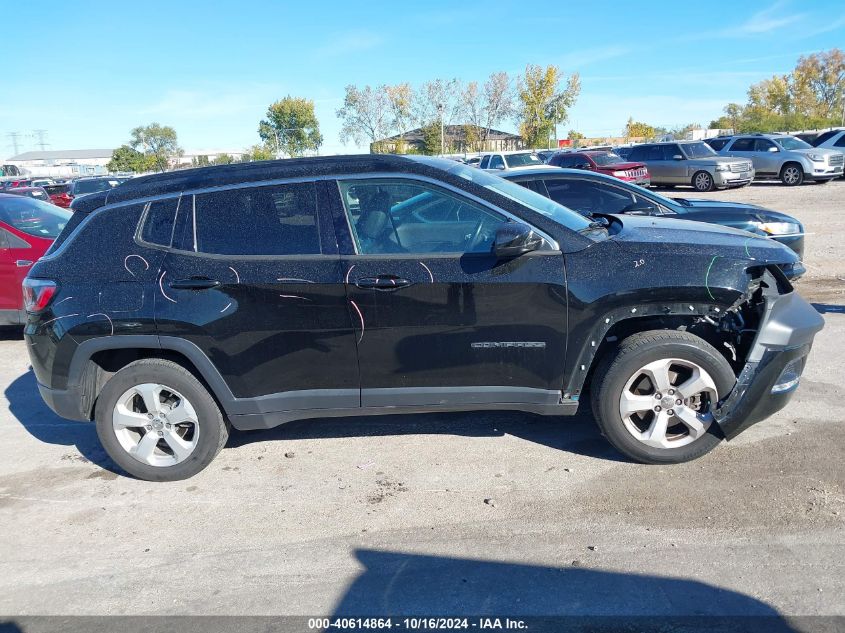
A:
(551, 598)
(573, 434)
(825, 308)
(11, 333)
(26, 405)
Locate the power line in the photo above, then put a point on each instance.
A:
(13, 137)
(40, 134)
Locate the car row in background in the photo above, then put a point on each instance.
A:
(782, 156)
(603, 162)
(60, 194)
(595, 194)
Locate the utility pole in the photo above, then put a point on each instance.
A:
(14, 136)
(440, 109)
(40, 135)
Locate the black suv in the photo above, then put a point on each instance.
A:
(176, 305)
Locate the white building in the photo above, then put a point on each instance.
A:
(62, 163)
(189, 157)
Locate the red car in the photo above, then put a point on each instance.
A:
(59, 194)
(27, 229)
(30, 192)
(604, 162)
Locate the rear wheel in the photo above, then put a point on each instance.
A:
(654, 399)
(702, 181)
(158, 422)
(791, 174)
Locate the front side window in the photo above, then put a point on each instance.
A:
(496, 162)
(403, 216)
(270, 220)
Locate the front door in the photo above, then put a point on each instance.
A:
(439, 320)
(254, 281)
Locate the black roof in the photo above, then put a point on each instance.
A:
(201, 177)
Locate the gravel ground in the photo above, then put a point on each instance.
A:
(499, 514)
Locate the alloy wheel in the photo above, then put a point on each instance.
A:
(155, 424)
(791, 175)
(668, 403)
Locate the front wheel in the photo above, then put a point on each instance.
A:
(702, 181)
(654, 399)
(158, 422)
(792, 174)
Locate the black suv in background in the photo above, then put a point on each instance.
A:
(177, 304)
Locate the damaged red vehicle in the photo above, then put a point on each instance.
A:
(604, 162)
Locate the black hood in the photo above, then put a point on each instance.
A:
(727, 206)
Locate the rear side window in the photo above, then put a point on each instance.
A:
(158, 222)
(272, 220)
(743, 145)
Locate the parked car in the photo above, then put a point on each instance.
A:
(27, 229)
(603, 162)
(808, 137)
(546, 154)
(10, 183)
(256, 294)
(509, 160)
(473, 161)
(30, 192)
(832, 139)
(59, 194)
(42, 182)
(785, 157)
(85, 186)
(691, 163)
(717, 142)
(599, 194)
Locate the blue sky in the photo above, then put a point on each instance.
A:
(93, 70)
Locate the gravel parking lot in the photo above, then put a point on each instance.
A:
(503, 514)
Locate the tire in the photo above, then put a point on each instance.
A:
(792, 174)
(617, 375)
(185, 444)
(702, 181)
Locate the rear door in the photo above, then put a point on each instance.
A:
(254, 281)
(14, 252)
(439, 321)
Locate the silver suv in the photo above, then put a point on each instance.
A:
(691, 163)
(786, 157)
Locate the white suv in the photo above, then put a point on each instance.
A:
(510, 160)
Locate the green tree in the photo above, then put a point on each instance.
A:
(291, 127)
(156, 141)
(543, 103)
(257, 152)
(636, 129)
(125, 158)
(575, 137)
(431, 138)
(365, 114)
(223, 159)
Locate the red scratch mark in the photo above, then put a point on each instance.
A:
(226, 308)
(428, 270)
(161, 287)
(237, 276)
(349, 271)
(105, 315)
(360, 316)
(126, 263)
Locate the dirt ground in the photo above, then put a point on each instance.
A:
(502, 514)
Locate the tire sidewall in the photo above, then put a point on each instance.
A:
(710, 180)
(620, 371)
(210, 421)
(800, 174)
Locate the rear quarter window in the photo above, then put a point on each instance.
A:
(158, 222)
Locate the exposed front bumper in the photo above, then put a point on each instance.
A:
(775, 362)
(732, 179)
(824, 172)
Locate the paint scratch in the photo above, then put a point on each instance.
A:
(63, 300)
(360, 316)
(161, 287)
(229, 305)
(294, 297)
(348, 272)
(707, 276)
(295, 280)
(111, 323)
(67, 316)
(126, 263)
(428, 270)
(237, 276)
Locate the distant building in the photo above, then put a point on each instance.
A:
(204, 156)
(63, 163)
(455, 137)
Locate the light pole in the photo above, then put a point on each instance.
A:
(440, 109)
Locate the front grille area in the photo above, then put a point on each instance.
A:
(740, 167)
(836, 160)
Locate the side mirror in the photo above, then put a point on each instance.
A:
(677, 157)
(514, 239)
(773, 149)
(582, 166)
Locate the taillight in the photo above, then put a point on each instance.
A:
(37, 294)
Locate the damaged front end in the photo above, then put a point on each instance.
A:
(769, 332)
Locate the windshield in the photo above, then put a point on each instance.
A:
(93, 186)
(522, 160)
(698, 150)
(607, 158)
(791, 142)
(525, 197)
(33, 216)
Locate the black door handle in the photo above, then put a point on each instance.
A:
(385, 282)
(194, 283)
